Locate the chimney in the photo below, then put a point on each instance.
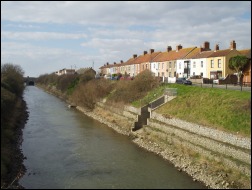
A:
(201, 49)
(107, 63)
(151, 51)
(145, 52)
(121, 61)
(135, 56)
(169, 48)
(206, 46)
(114, 63)
(232, 45)
(217, 47)
(178, 47)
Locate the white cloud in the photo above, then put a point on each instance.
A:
(113, 31)
(121, 13)
(39, 35)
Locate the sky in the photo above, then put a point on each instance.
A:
(45, 36)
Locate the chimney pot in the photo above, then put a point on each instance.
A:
(232, 45)
(179, 47)
(121, 61)
(217, 47)
(145, 52)
(134, 56)
(107, 63)
(151, 51)
(169, 48)
(114, 63)
(206, 46)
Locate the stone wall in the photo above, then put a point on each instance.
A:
(205, 131)
(203, 145)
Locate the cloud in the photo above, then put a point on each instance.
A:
(52, 35)
(122, 13)
(40, 35)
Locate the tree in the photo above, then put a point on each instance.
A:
(238, 63)
(12, 76)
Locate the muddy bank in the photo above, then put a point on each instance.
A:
(17, 169)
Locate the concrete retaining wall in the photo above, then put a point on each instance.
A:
(204, 131)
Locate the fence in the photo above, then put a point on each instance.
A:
(170, 91)
(157, 102)
(246, 86)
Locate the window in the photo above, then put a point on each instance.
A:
(146, 66)
(174, 74)
(169, 64)
(143, 67)
(162, 65)
(158, 65)
(194, 64)
(201, 64)
(169, 74)
(212, 64)
(175, 65)
(179, 65)
(185, 64)
(154, 65)
(193, 73)
(201, 74)
(162, 74)
(219, 63)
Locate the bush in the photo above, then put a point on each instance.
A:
(129, 91)
(12, 76)
(87, 94)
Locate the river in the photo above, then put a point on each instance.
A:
(65, 149)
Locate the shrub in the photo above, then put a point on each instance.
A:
(129, 91)
(87, 94)
(12, 75)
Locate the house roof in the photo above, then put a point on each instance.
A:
(192, 53)
(220, 53)
(203, 54)
(145, 58)
(173, 55)
(129, 62)
(246, 52)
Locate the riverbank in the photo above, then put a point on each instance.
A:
(210, 171)
(17, 170)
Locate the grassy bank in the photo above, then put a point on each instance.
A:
(228, 110)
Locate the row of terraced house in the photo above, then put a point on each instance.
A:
(182, 62)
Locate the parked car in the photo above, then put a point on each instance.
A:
(217, 81)
(183, 81)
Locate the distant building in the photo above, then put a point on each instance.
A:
(65, 72)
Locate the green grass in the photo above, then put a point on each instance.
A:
(152, 95)
(228, 110)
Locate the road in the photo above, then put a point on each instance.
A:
(228, 86)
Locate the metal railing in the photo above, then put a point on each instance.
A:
(244, 86)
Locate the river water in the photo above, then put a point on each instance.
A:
(66, 149)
